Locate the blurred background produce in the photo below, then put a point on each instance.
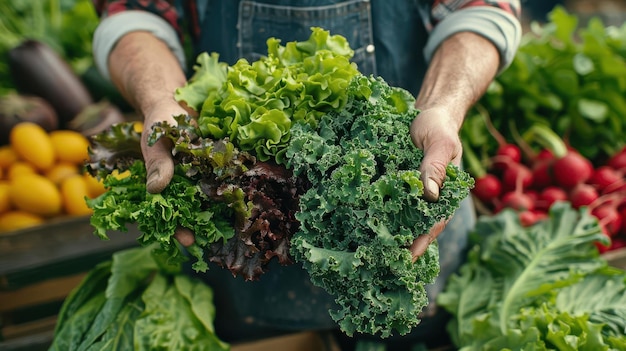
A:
(553, 125)
(41, 176)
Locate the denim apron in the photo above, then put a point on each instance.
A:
(387, 38)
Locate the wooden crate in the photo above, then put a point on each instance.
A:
(39, 267)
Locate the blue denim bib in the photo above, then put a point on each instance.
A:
(387, 37)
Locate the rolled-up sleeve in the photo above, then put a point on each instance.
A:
(500, 25)
(114, 26)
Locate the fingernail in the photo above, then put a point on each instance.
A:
(432, 187)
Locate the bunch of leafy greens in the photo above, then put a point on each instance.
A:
(542, 287)
(137, 301)
(567, 77)
(295, 156)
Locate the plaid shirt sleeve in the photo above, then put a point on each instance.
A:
(440, 9)
(162, 8)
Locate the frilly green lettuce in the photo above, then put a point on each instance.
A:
(255, 104)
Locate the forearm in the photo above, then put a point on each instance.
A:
(145, 70)
(459, 73)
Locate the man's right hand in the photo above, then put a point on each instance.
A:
(158, 157)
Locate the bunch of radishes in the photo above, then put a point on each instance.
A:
(530, 182)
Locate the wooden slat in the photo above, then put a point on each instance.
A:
(40, 326)
(39, 293)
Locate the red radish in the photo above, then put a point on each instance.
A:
(550, 195)
(545, 154)
(622, 213)
(603, 177)
(542, 173)
(617, 243)
(609, 218)
(571, 169)
(533, 195)
(517, 200)
(507, 154)
(487, 188)
(617, 187)
(618, 161)
(582, 195)
(517, 173)
(529, 217)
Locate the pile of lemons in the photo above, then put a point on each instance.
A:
(42, 177)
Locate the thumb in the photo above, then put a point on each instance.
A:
(159, 164)
(433, 170)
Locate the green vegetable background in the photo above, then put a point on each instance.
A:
(567, 77)
(542, 287)
(137, 301)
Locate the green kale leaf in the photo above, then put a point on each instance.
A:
(365, 207)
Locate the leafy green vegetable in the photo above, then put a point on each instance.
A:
(255, 104)
(137, 301)
(241, 210)
(565, 76)
(539, 287)
(295, 156)
(365, 208)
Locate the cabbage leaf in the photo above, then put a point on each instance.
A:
(538, 287)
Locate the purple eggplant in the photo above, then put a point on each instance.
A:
(37, 69)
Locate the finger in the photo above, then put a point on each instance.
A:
(433, 171)
(159, 163)
(421, 243)
(184, 236)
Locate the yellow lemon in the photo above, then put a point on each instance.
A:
(35, 194)
(74, 193)
(70, 146)
(32, 143)
(7, 156)
(14, 220)
(60, 171)
(20, 168)
(5, 200)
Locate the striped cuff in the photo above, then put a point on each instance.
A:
(501, 28)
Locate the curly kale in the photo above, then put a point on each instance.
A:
(365, 208)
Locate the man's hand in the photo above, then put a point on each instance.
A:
(158, 157)
(434, 131)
